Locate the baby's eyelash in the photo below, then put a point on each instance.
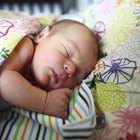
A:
(66, 51)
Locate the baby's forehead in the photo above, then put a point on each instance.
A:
(80, 27)
(80, 33)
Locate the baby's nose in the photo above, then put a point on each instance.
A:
(70, 68)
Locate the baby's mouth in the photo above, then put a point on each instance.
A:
(56, 78)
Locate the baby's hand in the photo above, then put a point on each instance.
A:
(57, 102)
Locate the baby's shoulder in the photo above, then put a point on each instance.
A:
(26, 42)
(20, 56)
(26, 48)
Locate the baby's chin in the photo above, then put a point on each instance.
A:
(49, 88)
(53, 87)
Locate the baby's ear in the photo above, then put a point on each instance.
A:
(44, 33)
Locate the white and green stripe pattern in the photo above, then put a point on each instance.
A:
(25, 125)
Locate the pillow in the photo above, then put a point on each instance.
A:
(115, 86)
(112, 22)
(116, 91)
(123, 23)
(13, 27)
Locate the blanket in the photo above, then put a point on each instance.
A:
(116, 80)
(19, 124)
(13, 27)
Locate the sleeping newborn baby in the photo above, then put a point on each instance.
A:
(39, 75)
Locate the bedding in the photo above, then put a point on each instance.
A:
(116, 83)
(20, 124)
(110, 108)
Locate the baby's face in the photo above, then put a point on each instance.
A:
(63, 60)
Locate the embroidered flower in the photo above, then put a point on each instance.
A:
(118, 71)
(99, 29)
(120, 25)
(128, 119)
(130, 48)
(100, 120)
(108, 97)
(129, 136)
(115, 54)
(99, 67)
(5, 26)
(4, 53)
(107, 133)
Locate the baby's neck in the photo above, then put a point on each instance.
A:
(27, 74)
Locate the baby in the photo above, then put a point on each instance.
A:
(39, 74)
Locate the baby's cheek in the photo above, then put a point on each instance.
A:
(43, 81)
(71, 82)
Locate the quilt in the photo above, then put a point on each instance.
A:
(116, 83)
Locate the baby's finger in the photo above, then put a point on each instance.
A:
(66, 101)
(64, 114)
(69, 94)
(65, 107)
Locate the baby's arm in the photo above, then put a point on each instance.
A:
(16, 90)
(57, 102)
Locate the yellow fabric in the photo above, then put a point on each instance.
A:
(14, 26)
(122, 23)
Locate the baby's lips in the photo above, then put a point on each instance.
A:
(4, 27)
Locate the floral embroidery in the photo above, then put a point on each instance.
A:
(108, 97)
(115, 54)
(133, 96)
(5, 26)
(120, 26)
(26, 25)
(99, 29)
(130, 136)
(4, 53)
(128, 118)
(99, 67)
(100, 120)
(130, 49)
(107, 133)
(118, 71)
